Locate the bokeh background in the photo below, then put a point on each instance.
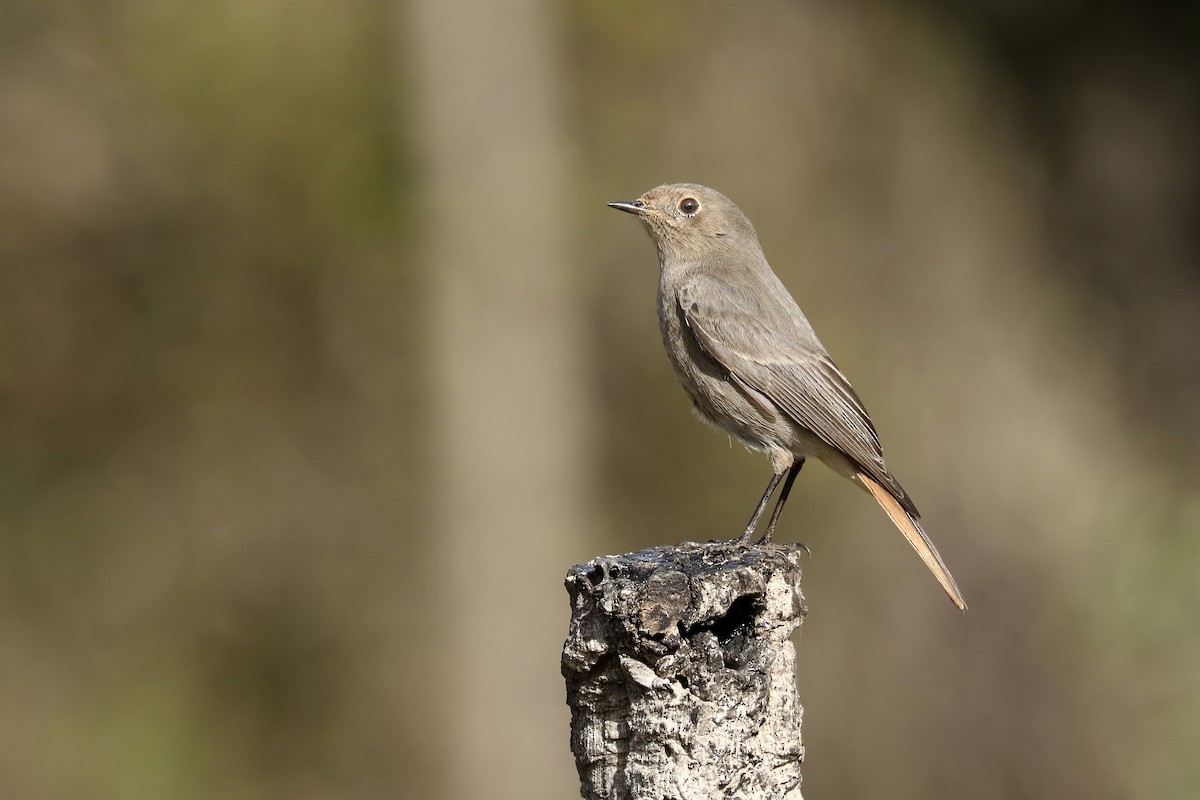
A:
(321, 361)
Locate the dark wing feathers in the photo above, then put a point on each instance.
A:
(777, 355)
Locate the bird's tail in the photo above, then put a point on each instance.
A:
(912, 531)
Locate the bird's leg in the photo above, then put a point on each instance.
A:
(793, 471)
(758, 511)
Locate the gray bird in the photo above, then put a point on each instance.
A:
(752, 364)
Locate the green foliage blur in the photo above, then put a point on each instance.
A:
(222, 425)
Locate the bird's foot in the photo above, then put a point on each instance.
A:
(744, 538)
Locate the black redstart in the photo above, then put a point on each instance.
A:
(752, 364)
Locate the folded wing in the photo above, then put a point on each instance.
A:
(773, 351)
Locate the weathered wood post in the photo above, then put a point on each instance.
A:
(681, 675)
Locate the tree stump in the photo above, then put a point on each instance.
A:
(681, 676)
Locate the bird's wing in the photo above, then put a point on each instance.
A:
(777, 355)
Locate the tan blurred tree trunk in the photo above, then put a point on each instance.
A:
(508, 406)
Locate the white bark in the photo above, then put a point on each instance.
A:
(681, 675)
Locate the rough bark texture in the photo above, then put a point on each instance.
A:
(681, 676)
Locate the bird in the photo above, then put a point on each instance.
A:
(753, 366)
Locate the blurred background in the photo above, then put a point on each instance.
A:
(321, 361)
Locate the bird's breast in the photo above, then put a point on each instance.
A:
(718, 398)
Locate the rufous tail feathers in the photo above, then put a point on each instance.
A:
(916, 537)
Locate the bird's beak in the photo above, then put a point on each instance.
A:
(636, 207)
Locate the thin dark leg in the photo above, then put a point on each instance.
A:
(758, 512)
(783, 496)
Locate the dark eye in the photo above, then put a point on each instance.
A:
(689, 206)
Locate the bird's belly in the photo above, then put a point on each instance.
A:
(720, 400)
(746, 415)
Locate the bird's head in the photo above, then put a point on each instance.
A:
(686, 217)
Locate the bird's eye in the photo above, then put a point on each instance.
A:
(689, 205)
